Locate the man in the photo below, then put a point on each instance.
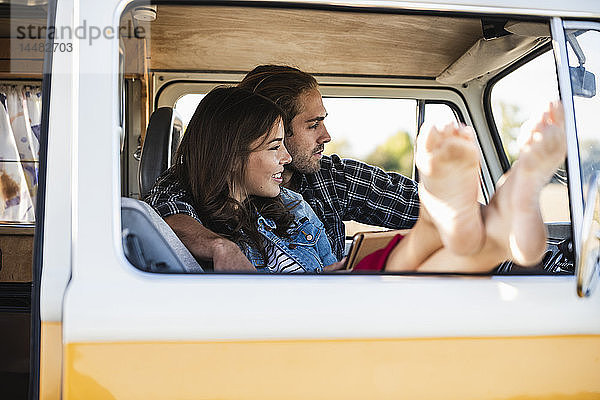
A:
(337, 190)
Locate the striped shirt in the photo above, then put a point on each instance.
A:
(280, 263)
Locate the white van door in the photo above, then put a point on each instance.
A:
(579, 57)
(138, 335)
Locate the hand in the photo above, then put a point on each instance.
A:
(336, 266)
(227, 257)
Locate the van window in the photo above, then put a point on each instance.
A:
(439, 114)
(186, 105)
(586, 104)
(522, 94)
(20, 120)
(375, 130)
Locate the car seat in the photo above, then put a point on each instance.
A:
(150, 244)
(163, 136)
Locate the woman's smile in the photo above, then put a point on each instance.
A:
(278, 177)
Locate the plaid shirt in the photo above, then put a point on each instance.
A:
(342, 190)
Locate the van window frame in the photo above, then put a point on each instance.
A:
(38, 238)
(487, 100)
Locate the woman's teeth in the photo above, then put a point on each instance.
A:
(276, 176)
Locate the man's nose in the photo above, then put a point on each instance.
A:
(324, 136)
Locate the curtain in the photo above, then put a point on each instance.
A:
(20, 118)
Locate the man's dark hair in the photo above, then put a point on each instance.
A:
(283, 85)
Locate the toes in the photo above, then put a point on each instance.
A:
(467, 132)
(449, 143)
(543, 147)
(449, 130)
(557, 113)
(547, 134)
(547, 137)
(546, 118)
(429, 137)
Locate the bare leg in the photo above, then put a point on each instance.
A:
(418, 245)
(517, 199)
(510, 227)
(514, 228)
(450, 216)
(448, 162)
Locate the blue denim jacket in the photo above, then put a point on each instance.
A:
(308, 244)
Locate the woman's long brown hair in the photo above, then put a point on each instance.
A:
(211, 161)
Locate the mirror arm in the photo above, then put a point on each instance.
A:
(572, 39)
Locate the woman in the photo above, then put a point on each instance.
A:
(230, 161)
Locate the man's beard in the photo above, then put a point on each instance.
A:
(306, 163)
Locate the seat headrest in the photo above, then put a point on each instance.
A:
(160, 144)
(149, 242)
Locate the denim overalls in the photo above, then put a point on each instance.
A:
(308, 244)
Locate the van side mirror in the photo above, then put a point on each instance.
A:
(588, 252)
(583, 82)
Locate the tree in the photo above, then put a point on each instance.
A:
(340, 147)
(395, 154)
(589, 153)
(509, 127)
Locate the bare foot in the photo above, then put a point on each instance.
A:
(448, 163)
(542, 152)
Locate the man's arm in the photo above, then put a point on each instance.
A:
(373, 196)
(207, 245)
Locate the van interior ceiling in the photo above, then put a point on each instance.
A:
(235, 39)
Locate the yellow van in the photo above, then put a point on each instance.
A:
(96, 298)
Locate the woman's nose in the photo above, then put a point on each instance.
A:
(285, 156)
